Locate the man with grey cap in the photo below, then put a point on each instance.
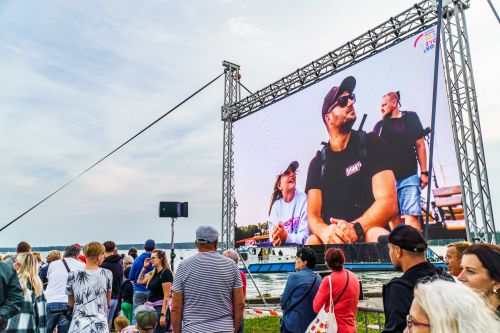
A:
(207, 289)
(407, 252)
(350, 183)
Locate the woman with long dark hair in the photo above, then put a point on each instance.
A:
(481, 271)
(287, 222)
(159, 282)
(344, 286)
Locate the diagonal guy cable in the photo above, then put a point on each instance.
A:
(241, 84)
(113, 151)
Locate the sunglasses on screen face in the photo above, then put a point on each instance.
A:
(342, 101)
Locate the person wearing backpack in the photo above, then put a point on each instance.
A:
(407, 251)
(297, 299)
(350, 184)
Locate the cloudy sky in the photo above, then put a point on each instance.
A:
(80, 77)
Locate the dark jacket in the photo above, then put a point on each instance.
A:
(398, 294)
(113, 263)
(136, 270)
(298, 310)
(11, 294)
(127, 288)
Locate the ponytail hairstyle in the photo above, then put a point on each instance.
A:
(394, 95)
(28, 273)
(276, 195)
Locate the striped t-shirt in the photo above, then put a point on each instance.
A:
(207, 280)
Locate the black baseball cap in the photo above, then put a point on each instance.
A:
(348, 84)
(406, 237)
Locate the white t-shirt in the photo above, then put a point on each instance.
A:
(58, 277)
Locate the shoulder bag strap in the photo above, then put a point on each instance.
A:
(66, 265)
(345, 287)
(303, 296)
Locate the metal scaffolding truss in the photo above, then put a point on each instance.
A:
(466, 126)
(231, 96)
(397, 28)
(461, 94)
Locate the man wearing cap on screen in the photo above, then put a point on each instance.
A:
(287, 222)
(208, 291)
(407, 251)
(350, 185)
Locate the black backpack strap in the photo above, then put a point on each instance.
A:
(363, 152)
(66, 265)
(322, 155)
(345, 287)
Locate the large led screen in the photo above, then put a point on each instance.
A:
(302, 177)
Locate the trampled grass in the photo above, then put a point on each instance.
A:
(272, 324)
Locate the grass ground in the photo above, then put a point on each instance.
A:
(272, 324)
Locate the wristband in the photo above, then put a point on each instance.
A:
(426, 173)
(162, 314)
(359, 231)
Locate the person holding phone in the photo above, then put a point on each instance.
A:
(159, 283)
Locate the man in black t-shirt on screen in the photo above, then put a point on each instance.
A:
(350, 185)
(404, 135)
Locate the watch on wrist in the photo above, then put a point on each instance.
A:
(425, 173)
(359, 231)
(162, 314)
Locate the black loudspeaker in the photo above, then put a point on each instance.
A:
(173, 209)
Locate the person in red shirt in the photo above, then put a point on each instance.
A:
(345, 292)
(233, 255)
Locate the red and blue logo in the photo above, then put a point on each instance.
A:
(426, 40)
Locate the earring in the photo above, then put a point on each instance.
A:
(495, 290)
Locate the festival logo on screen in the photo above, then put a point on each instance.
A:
(426, 40)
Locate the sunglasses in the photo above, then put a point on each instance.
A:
(410, 322)
(342, 101)
(153, 257)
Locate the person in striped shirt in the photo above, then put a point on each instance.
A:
(208, 291)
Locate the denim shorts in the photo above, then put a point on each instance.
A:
(409, 196)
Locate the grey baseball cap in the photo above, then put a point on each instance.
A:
(206, 234)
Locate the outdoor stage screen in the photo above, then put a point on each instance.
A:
(353, 183)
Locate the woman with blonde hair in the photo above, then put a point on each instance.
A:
(89, 292)
(159, 282)
(32, 317)
(442, 306)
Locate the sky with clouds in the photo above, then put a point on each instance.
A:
(79, 78)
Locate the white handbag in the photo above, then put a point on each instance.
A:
(325, 321)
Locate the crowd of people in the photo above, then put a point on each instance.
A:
(425, 298)
(102, 291)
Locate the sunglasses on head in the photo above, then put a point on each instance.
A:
(342, 101)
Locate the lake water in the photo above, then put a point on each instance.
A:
(274, 284)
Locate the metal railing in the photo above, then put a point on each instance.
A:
(372, 318)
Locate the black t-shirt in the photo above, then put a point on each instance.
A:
(154, 286)
(346, 187)
(400, 135)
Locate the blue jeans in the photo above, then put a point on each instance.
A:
(158, 328)
(140, 297)
(111, 311)
(57, 319)
(409, 194)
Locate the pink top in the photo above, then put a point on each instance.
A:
(346, 307)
